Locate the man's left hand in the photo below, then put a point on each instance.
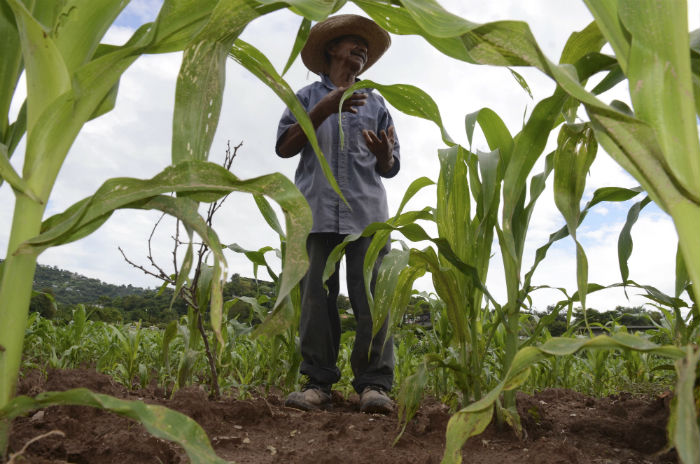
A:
(383, 148)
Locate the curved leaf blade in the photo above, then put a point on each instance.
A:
(160, 421)
(299, 43)
(406, 98)
(255, 62)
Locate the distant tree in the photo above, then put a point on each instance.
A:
(43, 303)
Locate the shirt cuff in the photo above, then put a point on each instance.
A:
(394, 169)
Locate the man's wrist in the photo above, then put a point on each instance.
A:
(385, 165)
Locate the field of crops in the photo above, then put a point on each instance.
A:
(158, 366)
(469, 377)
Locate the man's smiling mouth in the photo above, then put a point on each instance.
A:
(360, 54)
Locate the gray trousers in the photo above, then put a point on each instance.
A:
(319, 327)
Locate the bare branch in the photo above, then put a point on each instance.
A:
(150, 252)
(177, 241)
(162, 276)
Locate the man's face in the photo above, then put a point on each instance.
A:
(350, 51)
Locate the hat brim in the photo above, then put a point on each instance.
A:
(314, 52)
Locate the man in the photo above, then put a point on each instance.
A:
(339, 49)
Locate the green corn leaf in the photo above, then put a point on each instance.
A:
(278, 321)
(206, 276)
(474, 418)
(605, 13)
(80, 26)
(269, 214)
(200, 181)
(61, 121)
(521, 81)
(254, 61)
(656, 295)
(168, 337)
(200, 83)
(316, 10)
(447, 287)
(478, 43)
(682, 279)
(496, 132)
(402, 294)
(299, 43)
(413, 232)
(16, 130)
(217, 302)
(386, 286)
(453, 209)
(257, 257)
(336, 255)
(10, 67)
(529, 145)
(416, 186)
(634, 32)
(537, 185)
(581, 43)
(460, 427)
(572, 160)
(490, 187)
(580, 46)
(47, 74)
(8, 173)
(660, 83)
(624, 241)
(615, 194)
(399, 21)
(160, 421)
(614, 77)
(108, 102)
(405, 98)
(379, 240)
(575, 153)
(178, 22)
(410, 396)
(183, 275)
(683, 423)
(435, 19)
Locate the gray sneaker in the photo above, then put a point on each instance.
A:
(311, 397)
(374, 400)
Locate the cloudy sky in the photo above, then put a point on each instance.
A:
(134, 140)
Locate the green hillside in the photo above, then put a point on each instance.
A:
(72, 288)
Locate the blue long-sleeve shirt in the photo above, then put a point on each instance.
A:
(353, 165)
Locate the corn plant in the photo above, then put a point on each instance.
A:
(72, 78)
(129, 345)
(658, 145)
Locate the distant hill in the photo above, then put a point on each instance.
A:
(71, 288)
(126, 302)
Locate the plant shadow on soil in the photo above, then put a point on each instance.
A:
(561, 426)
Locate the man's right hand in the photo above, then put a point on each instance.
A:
(295, 138)
(329, 104)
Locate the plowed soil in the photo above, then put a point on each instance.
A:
(561, 427)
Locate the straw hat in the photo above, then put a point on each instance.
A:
(314, 52)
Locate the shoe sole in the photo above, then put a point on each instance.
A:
(306, 406)
(377, 408)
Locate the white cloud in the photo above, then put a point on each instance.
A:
(134, 140)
